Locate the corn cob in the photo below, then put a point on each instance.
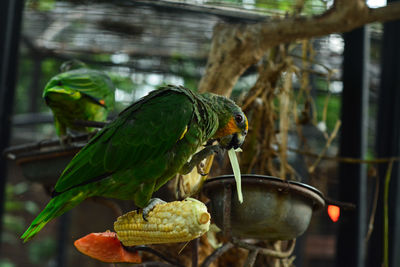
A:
(177, 221)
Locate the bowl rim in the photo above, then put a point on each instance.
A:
(303, 189)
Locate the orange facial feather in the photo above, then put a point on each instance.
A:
(229, 128)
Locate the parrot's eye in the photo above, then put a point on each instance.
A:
(239, 118)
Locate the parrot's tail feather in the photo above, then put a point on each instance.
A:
(55, 208)
(32, 231)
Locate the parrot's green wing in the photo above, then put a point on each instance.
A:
(144, 131)
(96, 85)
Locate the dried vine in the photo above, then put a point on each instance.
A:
(236, 47)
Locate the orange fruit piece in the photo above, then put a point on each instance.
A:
(334, 212)
(106, 247)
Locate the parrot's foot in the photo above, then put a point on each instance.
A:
(200, 169)
(199, 156)
(152, 203)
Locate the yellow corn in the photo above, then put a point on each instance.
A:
(177, 221)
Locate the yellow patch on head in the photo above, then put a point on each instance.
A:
(230, 128)
(102, 101)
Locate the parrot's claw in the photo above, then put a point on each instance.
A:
(199, 157)
(200, 169)
(217, 149)
(152, 203)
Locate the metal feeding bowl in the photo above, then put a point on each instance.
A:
(272, 208)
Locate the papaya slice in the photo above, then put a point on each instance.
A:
(106, 247)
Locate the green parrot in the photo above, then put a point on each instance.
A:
(78, 93)
(145, 146)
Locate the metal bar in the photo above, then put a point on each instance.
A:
(353, 143)
(388, 144)
(62, 240)
(168, 258)
(10, 29)
(27, 119)
(251, 258)
(266, 251)
(195, 252)
(94, 124)
(216, 254)
(231, 14)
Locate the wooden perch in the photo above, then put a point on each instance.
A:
(235, 47)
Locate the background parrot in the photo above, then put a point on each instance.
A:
(144, 147)
(78, 93)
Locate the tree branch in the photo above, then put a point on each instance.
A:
(235, 47)
(383, 14)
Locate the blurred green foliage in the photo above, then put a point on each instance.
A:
(40, 5)
(42, 251)
(26, 83)
(14, 224)
(333, 109)
(323, 98)
(6, 263)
